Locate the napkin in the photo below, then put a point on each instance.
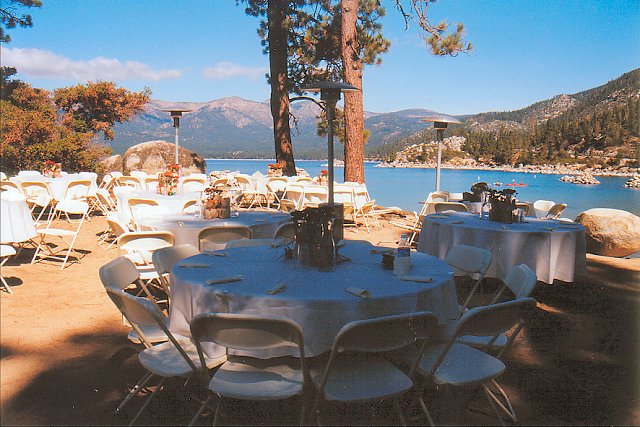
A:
(193, 265)
(420, 279)
(260, 220)
(214, 253)
(362, 293)
(548, 228)
(224, 280)
(571, 226)
(438, 216)
(277, 289)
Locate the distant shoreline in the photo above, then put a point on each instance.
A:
(541, 169)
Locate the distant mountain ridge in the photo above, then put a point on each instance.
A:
(241, 128)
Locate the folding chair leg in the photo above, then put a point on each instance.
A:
(396, 406)
(423, 406)
(495, 400)
(6, 285)
(146, 403)
(200, 411)
(216, 418)
(135, 390)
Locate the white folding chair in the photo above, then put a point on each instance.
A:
(469, 261)
(68, 207)
(10, 186)
(115, 230)
(541, 207)
(77, 189)
(520, 282)
(356, 372)
(6, 251)
(216, 238)
(139, 247)
(176, 358)
(248, 378)
(458, 365)
(165, 258)
(38, 195)
(294, 194)
(136, 204)
(286, 231)
(151, 183)
(450, 206)
(555, 211)
(313, 196)
(121, 274)
(194, 184)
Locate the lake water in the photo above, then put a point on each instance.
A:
(405, 188)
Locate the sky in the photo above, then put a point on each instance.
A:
(201, 50)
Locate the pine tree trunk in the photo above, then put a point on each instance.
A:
(277, 13)
(353, 105)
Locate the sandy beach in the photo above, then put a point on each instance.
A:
(66, 360)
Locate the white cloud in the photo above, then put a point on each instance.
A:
(44, 63)
(227, 70)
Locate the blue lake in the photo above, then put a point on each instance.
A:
(405, 188)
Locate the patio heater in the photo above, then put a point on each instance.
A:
(440, 123)
(176, 113)
(330, 94)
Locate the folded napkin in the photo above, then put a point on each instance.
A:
(548, 228)
(214, 253)
(457, 222)
(260, 220)
(193, 265)
(438, 216)
(420, 279)
(571, 226)
(362, 293)
(504, 227)
(224, 280)
(277, 289)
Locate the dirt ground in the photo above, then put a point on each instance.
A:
(65, 358)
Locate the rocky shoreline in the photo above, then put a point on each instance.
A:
(541, 169)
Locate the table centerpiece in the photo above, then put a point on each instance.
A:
(274, 169)
(51, 169)
(503, 205)
(217, 204)
(168, 180)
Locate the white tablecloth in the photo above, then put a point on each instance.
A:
(168, 205)
(553, 249)
(16, 219)
(186, 227)
(316, 300)
(58, 186)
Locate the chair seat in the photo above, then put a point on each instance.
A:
(362, 379)
(56, 232)
(258, 379)
(6, 250)
(461, 366)
(165, 360)
(481, 341)
(153, 333)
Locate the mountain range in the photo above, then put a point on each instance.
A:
(239, 128)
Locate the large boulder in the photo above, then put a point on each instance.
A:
(112, 163)
(611, 232)
(154, 156)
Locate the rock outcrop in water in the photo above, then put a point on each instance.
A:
(585, 178)
(611, 232)
(633, 182)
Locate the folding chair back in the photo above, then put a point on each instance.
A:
(343, 194)
(244, 182)
(25, 174)
(32, 189)
(288, 231)
(77, 189)
(134, 205)
(469, 260)
(541, 207)
(385, 333)
(521, 280)
(303, 179)
(151, 183)
(130, 181)
(450, 206)
(495, 318)
(438, 196)
(556, 210)
(165, 258)
(220, 182)
(10, 186)
(314, 195)
(524, 206)
(119, 273)
(247, 332)
(295, 194)
(216, 238)
(194, 184)
(277, 183)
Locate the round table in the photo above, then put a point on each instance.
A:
(318, 301)
(552, 249)
(186, 227)
(15, 218)
(167, 205)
